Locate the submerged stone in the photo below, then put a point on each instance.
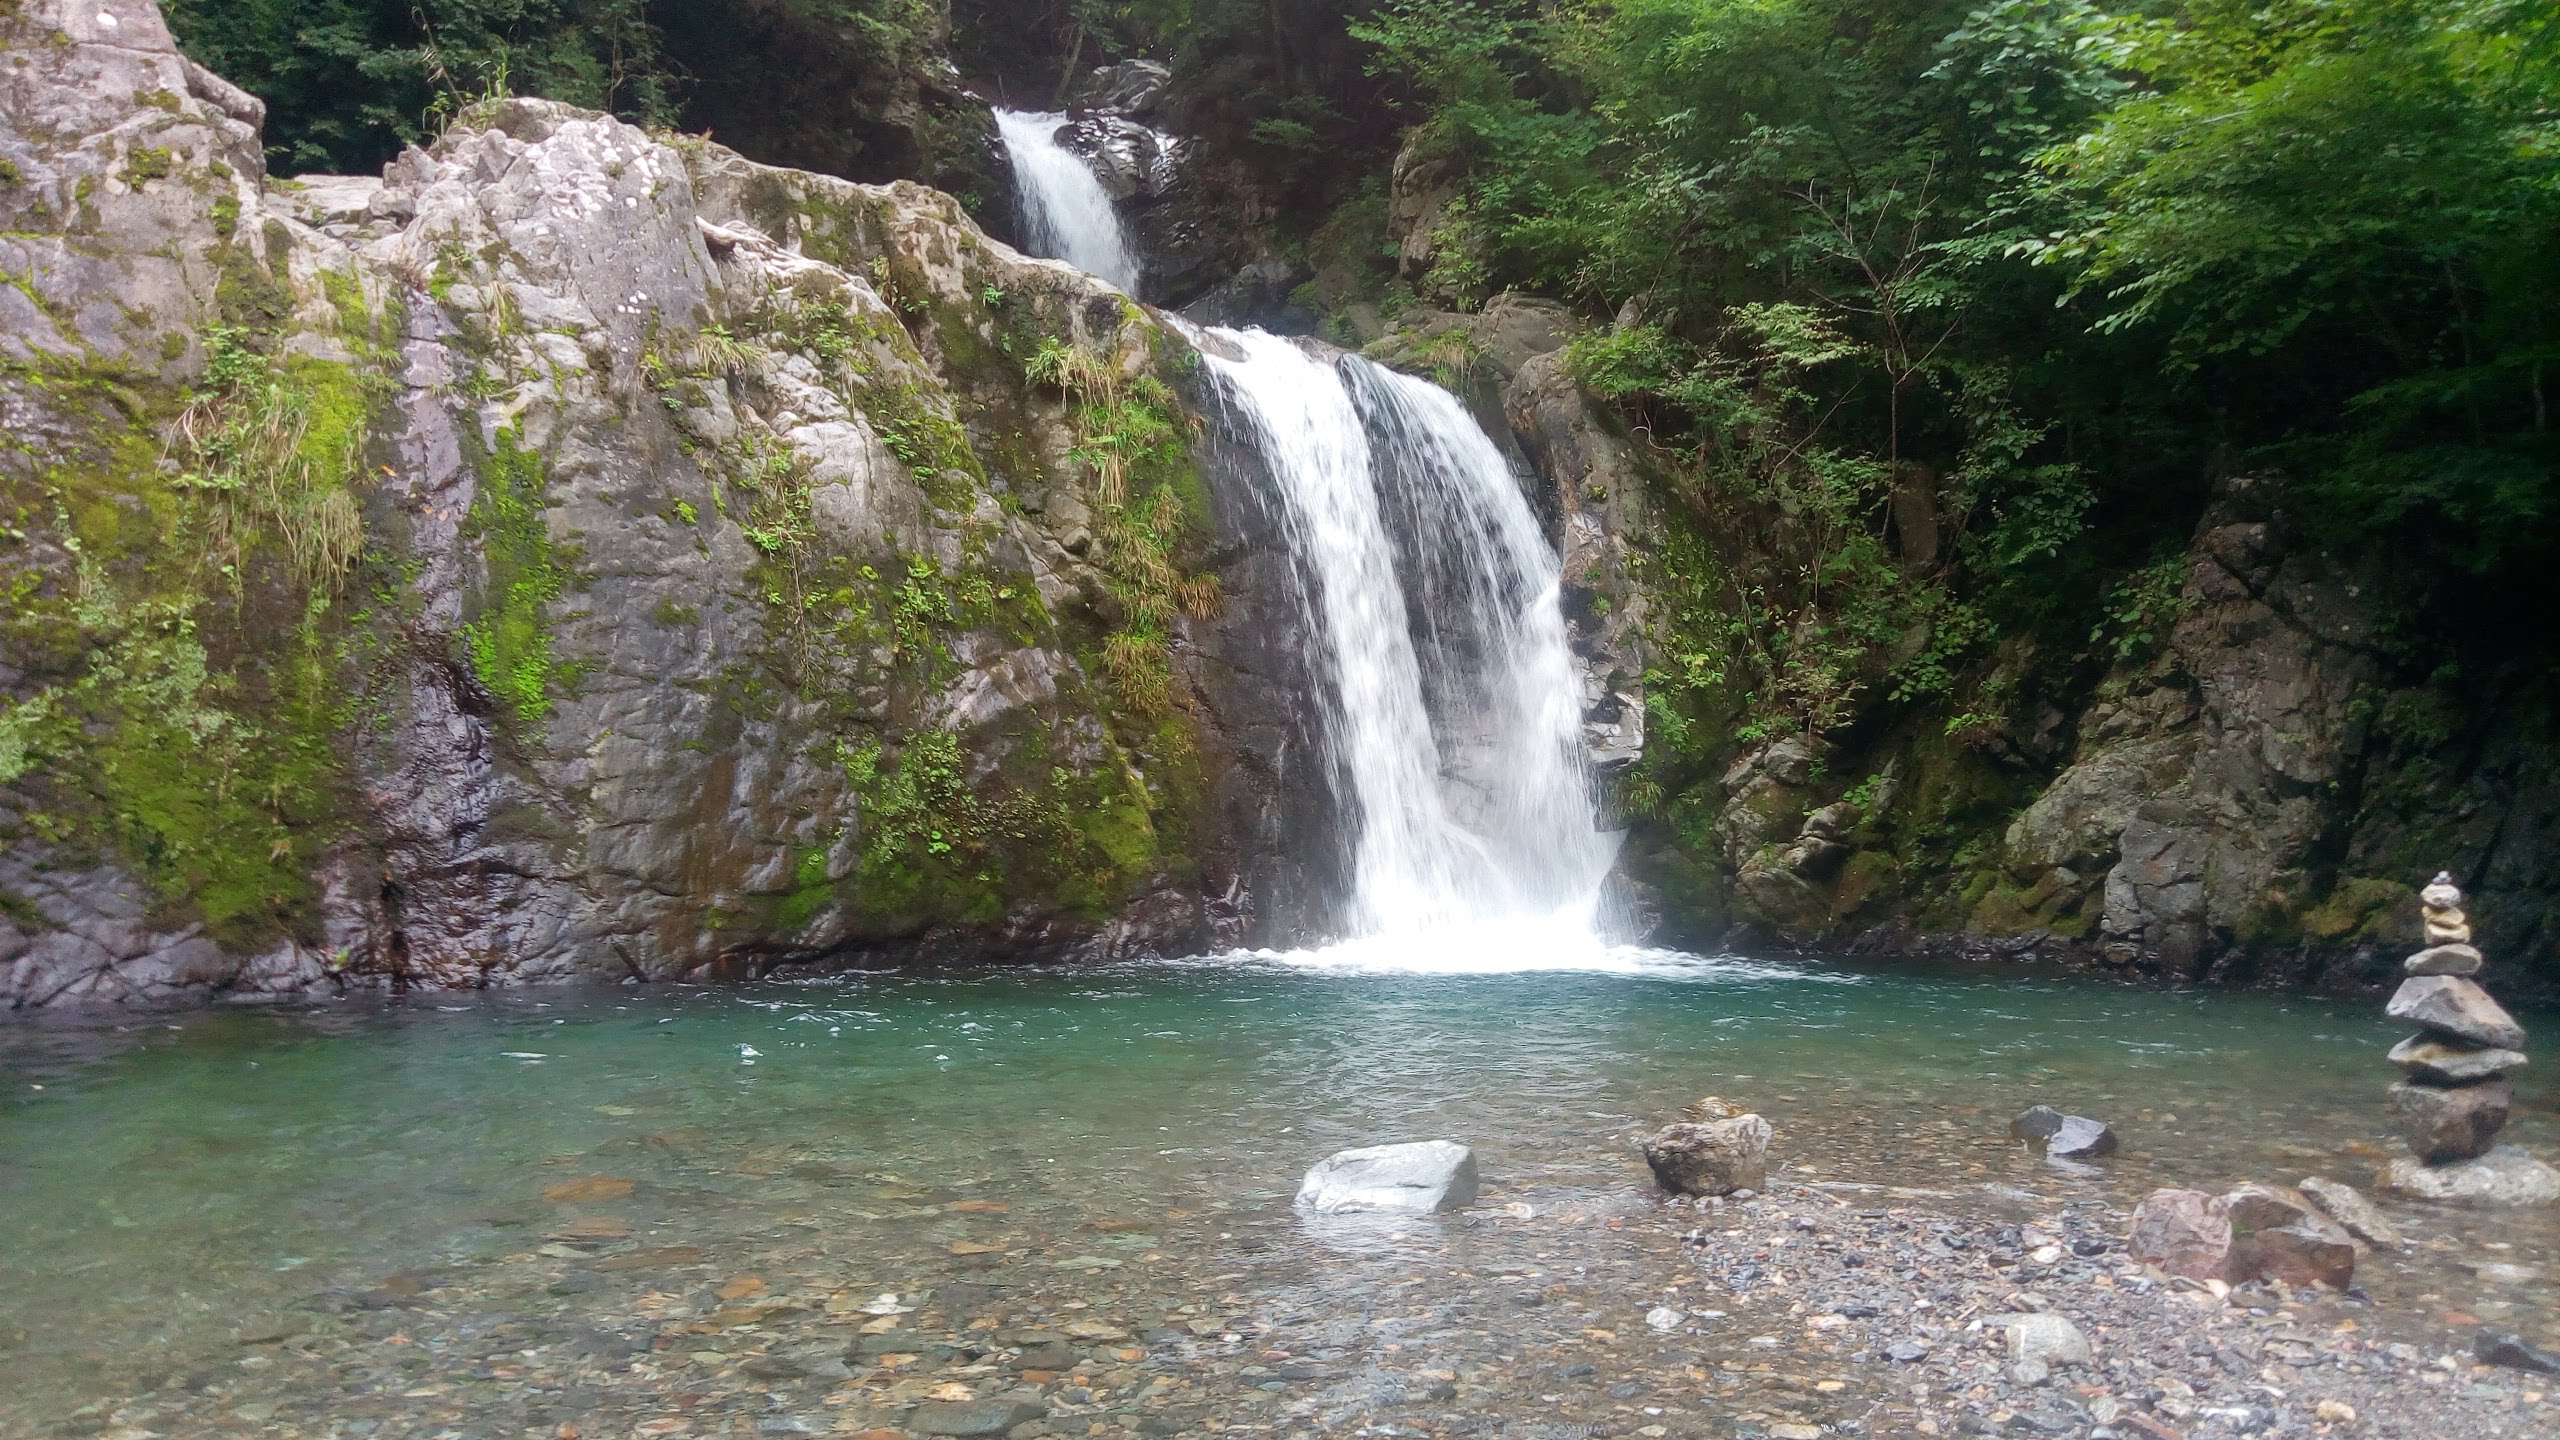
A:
(2514, 1352)
(2347, 1206)
(2505, 1177)
(974, 1417)
(1416, 1178)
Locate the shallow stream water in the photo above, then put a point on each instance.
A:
(242, 1216)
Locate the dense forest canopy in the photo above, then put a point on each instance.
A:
(2057, 262)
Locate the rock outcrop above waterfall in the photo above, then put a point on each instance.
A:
(577, 552)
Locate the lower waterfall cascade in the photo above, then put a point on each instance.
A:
(1451, 717)
(1474, 840)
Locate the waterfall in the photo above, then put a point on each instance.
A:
(1066, 214)
(1453, 716)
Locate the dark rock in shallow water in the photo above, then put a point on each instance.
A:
(1710, 1157)
(2036, 1124)
(974, 1417)
(2451, 1005)
(2063, 1137)
(2456, 1122)
(2514, 1352)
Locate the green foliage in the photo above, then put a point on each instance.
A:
(2141, 611)
(1131, 439)
(2365, 196)
(348, 81)
(1947, 305)
(275, 450)
(510, 638)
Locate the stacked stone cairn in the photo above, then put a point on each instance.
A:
(2455, 1097)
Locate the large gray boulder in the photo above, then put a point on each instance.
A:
(1417, 1179)
(724, 594)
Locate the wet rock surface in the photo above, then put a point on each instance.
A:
(2064, 1137)
(2504, 1176)
(2453, 1006)
(2443, 1122)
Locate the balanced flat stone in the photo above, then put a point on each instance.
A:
(2445, 960)
(2452, 1005)
(2447, 927)
(1413, 1179)
(2427, 1058)
(2451, 1122)
(2505, 1177)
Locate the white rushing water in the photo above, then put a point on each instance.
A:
(1452, 717)
(1432, 599)
(1066, 214)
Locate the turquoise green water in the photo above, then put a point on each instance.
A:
(173, 1182)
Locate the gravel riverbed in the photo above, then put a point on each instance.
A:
(1822, 1308)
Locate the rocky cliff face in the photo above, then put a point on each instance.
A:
(577, 552)
(2253, 803)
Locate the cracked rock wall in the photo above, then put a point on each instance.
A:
(748, 568)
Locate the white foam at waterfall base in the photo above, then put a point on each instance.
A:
(1474, 846)
(1066, 214)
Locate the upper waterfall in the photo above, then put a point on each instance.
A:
(1066, 214)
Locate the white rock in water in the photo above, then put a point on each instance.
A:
(1663, 1317)
(1414, 1179)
